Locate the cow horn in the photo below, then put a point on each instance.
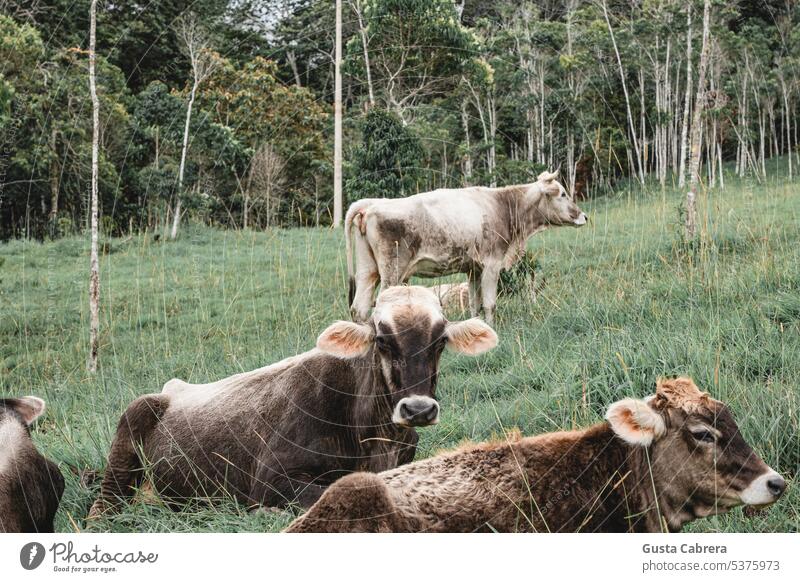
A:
(548, 176)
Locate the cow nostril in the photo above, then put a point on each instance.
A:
(431, 413)
(776, 486)
(405, 411)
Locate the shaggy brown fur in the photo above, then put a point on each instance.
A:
(580, 481)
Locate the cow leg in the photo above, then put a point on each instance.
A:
(489, 278)
(365, 289)
(474, 281)
(392, 273)
(360, 502)
(281, 480)
(124, 471)
(366, 278)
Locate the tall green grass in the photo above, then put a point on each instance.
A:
(625, 300)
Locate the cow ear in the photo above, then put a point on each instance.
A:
(547, 176)
(471, 337)
(346, 339)
(635, 422)
(28, 407)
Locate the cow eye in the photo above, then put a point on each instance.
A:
(382, 343)
(704, 436)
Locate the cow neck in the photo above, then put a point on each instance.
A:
(372, 407)
(525, 218)
(678, 503)
(643, 506)
(612, 475)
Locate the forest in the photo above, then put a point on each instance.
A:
(221, 111)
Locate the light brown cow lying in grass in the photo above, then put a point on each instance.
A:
(655, 465)
(455, 295)
(477, 231)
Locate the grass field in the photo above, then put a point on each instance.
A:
(625, 301)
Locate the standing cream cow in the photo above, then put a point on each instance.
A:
(477, 231)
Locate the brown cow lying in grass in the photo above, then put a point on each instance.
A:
(655, 465)
(282, 433)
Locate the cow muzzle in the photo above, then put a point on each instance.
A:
(582, 219)
(764, 490)
(416, 411)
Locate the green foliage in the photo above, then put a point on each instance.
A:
(388, 162)
(418, 50)
(495, 92)
(520, 277)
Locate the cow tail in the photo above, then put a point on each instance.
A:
(348, 248)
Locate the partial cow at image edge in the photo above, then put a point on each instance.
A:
(31, 486)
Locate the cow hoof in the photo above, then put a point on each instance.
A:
(98, 509)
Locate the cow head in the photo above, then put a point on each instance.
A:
(408, 333)
(22, 411)
(699, 459)
(555, 205)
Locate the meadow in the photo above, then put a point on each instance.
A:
(624, 301)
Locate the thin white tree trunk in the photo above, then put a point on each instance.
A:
(337, 122)
(362, 30)
(686, 103)
(694, 175)
(467, 144)
(94, 269)
(787, 122)
(176, 219)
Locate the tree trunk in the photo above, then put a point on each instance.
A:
(694, 176)
(337, 122)
(176, 219)
(468, 155)
(787, 123)
(686, 103)
(362, 30)
(94, 270)
(54, 183)
(292, 59)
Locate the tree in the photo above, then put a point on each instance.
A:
(337, 122)
(94, 270)
(694, 166)
(198, 48)
(418, 51)
(631, 127)
(250, 99)
(265, 177)
(687, 99)
(387, 163)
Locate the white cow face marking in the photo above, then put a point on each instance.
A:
(408, 332)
